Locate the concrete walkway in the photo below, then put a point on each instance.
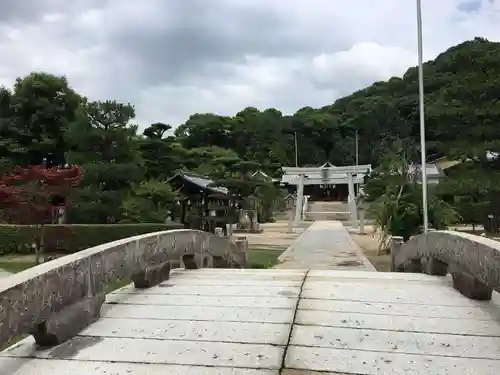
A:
(325, 245)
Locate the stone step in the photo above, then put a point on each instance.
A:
(321, 210)
(327, 206)
(319, 216)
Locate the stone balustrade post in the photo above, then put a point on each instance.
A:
(433, 266)
(242, 245)
(470, 286)
(396, 244)
(290, 221)
(413, 265)
(361, 221)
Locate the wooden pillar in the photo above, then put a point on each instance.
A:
(204, 214)
(183, 211)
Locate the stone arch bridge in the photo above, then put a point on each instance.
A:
(194, 309)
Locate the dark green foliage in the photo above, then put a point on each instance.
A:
(102, 141)
(163, 155)
(42, 117)
(18, 239)
(35, 118)
(395, 197)
(150, 201)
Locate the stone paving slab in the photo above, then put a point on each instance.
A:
(262, 283)
(348, 276)
(194, 353)
(418, 343)
(197, 290)
(399, 323)
(388, 293)
(282, 275)
(209, 301)
(382, 363)
(245, 272)
(325, 245)
(22, 366)
(335, 322)
(201, 313)
(219, 331)
(473, 311)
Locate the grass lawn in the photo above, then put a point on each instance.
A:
(263, 258)
(15, 266)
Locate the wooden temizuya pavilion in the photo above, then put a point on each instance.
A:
(201, 205)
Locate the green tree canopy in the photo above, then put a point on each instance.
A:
(42, 117)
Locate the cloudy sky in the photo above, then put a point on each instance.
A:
(172, 58)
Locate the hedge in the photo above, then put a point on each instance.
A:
(68, 239)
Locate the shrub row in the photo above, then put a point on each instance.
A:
(70, 238)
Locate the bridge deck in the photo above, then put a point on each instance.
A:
(269, 322)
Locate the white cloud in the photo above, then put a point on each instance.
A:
(173, 58)
(361, 65)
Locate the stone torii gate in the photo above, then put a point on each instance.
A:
(326, 174)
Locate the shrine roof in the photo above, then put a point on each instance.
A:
(195, 183)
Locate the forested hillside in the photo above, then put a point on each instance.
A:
(461, 91)
(43, 117)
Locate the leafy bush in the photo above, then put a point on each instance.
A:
(269, 200)
(471, 192)
(150, 201)
(395, 194)
(70, 238)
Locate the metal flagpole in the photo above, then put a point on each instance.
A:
(296, 151)
(357, 148)
(422, 114)
(357, 160)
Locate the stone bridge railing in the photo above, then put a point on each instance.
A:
(56, 300)
(473, 261)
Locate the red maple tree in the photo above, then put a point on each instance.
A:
(34, 195)
(30, 195)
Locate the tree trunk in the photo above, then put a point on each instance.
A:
(39, 245)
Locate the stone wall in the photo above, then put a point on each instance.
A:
(57, 299)
(473, 261)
